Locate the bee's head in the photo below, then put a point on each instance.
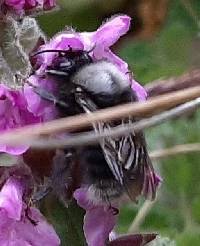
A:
(67, 62)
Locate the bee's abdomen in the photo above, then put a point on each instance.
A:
(103, 186)
(93, 158)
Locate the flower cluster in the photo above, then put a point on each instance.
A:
(20, 224)
(19, 8)
(24, 225)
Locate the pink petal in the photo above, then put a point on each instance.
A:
(108, 34)
(133, 240)
(49, 4)
(20, 8)
(14, 114)
(13, 150)
(99, 220)
(29, 4)
(39, 107)
(98, 223)
(15, 227)
(24, 232)
(37, 234)
(139, 90)
(16, 4)
(151, 183)
(11, 198)
(111, 57)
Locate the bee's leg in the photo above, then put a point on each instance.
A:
(62, 181)
(114, 210)
(49, 97)
(56, 72)
(42, 191)
(63, 177)
(33, 222)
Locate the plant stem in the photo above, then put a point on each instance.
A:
(68, 222)
(150, 107)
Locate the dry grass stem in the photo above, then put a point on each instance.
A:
(163, 86)
(139, 218)
(91, 137)
(72, 123)
(175, 150)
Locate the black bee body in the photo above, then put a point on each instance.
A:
(115, 165)
(103, 186)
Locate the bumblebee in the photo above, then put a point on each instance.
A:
(116, 165)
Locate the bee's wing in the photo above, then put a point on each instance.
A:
(140, 177)
(129, 162)
(107, 144)
(126, 156)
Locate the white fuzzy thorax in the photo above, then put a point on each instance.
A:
(101, 78)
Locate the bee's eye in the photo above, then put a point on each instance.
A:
(66, 64)
(61, 54)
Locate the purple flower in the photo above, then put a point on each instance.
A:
(99, 220)
(14, 114)
(48, 4)
(132, 240)
(19, 8)
(15, 4)
(98, 42)
(35, 104)
(20, 225)
(151, 182)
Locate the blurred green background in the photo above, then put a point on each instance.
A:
(170, 51)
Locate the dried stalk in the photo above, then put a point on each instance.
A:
(162, 86)
(139, 218)
(149, 107)
(91, 137)
(191, 11)
(175, 150)
(155, 155)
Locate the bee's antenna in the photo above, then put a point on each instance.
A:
(94, 46)
(48, 51)
(59, 51)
